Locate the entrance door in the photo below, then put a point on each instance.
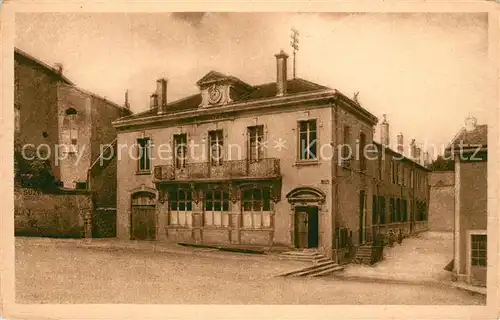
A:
(143, 223)
(306, 227)
(361, 216)
(143, 216)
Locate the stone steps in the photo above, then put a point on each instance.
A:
(316, 270)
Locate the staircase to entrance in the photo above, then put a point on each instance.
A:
(320, 265)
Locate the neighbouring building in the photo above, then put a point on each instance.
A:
(442, 201)
(470, 150)
(260, 165)
(67, 125)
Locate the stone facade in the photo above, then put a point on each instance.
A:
(70, 122)
(284, 197)
(442, 201)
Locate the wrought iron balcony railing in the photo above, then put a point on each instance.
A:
(265, 168)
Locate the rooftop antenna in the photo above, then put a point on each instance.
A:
(295, 45)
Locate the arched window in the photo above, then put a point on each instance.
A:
(216, 208)
(181, 207)
(256, 207)
(71, 130)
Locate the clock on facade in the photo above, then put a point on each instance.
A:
(214, 94)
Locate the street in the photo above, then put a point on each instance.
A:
(65, 274)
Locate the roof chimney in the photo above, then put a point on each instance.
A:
(161, 91)
(281, 73)
(470, 123)
(384, 132)
(153, 102)
(413, 149)
(58, 67)
(400, 145)
(126, 104)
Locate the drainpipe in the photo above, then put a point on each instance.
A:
(334, 183)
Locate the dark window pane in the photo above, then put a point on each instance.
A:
(225, 205)
(303, 126)
(225, 196)
(257, 205)
(182, 206)
(217, 205)
(247, 206)
(257, 194)
(189, 206)
(208, 205)
(247, 195)
(173, 205)
(312, 125)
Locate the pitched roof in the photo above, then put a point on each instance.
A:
(42, 64)
(268, 90)
(476, 137)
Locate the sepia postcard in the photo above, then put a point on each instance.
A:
(249, 160)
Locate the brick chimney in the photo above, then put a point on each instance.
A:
(161, 91)
(384, 132)
(281, 73)
(400, 145)
(153, 102)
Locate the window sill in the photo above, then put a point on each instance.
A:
(143, 173)
(301, 163)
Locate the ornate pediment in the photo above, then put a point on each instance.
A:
(219, 89)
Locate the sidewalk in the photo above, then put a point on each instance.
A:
(418, 260)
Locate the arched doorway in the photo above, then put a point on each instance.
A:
(143, 216)
(306, 203)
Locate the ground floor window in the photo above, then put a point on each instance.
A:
(216, 208)
(381, 212)
(256, 205)
(181, 207)
(478, 250)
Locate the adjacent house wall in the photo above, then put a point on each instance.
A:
(442, 201)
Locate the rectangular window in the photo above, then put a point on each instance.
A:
(374, 210)
(216, 142)
(346, 148)
(144, 154)
(180, 150)
(362, 155)
(405, 211)
(393, 175)
(380, 167)
(307, 140)
(479, 250)
(181, 206)
(411, 179)
(398, 209)
(256, 208)
(381, 202)
(216, 208)
(392, 210)
(255, 140)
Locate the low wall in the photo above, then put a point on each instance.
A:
(66, 214)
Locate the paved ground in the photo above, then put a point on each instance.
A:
(58, 272)
(420, 258)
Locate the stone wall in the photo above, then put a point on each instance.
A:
(65, 215)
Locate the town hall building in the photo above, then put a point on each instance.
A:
(250, 164)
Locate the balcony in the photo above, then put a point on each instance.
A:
(227, 170)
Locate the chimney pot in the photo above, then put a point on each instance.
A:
(281, 73)
(384, 132)
(400, 145)
(161, 91)
(153, 101)
(58, 67)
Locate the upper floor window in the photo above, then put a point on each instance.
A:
(393, 174)
(307, 140)
(346, 148)
(411, 179)
(362, 155)
(144, 154)
(216, 143)
(180, 150)
(256, 138)
(72, 129)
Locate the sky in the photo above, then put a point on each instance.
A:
(426, 71)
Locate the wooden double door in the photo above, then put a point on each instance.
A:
(143, 223)
(306, 227)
